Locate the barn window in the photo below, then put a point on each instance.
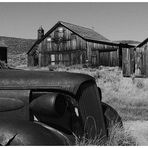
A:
(49, 39)
(60, 29)
(52, 59)
(60, 32)
(48, 43)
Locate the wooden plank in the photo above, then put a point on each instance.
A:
(138, 62)
(126, 62)
(89, 52)
(107, 58)
(132, 61)
(146, 59)
(142, 62)
(120, 56)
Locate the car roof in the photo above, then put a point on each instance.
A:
(21, 79)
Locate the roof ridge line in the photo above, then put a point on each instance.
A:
(77, 25)
(83, 27)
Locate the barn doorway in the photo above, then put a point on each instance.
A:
(120, 56)
(3, 54)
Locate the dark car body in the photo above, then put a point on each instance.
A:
(50, 108)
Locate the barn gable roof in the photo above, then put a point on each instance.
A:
(83, 32)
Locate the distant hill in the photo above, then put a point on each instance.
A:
(131, 42)
(17, 45)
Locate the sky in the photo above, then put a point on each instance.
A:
(115, 21)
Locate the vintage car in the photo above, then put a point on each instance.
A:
(51, 108)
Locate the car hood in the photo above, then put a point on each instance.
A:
(20, 79)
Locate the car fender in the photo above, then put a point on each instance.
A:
(19, 132)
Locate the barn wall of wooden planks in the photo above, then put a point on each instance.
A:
(128, 58)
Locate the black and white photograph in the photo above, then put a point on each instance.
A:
(73, 73)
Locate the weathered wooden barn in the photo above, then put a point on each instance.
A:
(3, 51)
(141, 59)
(71, 44)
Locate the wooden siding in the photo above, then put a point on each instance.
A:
(109, 58)
(141, 61)
(128, 59)
(146, 59)
(102, 54)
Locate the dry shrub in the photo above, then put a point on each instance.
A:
(118, 136)
(140, 84)
(56, 67)
(17, 59)
(3, 65)
(76, 66)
